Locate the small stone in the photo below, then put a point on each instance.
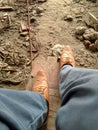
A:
(39, 10)
(23, 26)
(96, 44)
(24, 34)
(34, 12)
(92, 47)
(68, 18)
(87, 43)
(26, 44)
(57, 50)
(80, 30)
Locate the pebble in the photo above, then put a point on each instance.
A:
(92, 47)
(68, 18)
(39, 10)
(26, 44)
(80, 30)
(87, 43)
(57, 49)
(23, 26)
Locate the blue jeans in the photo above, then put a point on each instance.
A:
(79, 96)
(24, 110)
(21, 110)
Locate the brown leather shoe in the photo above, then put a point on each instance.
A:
(67, 57)
(41, 84)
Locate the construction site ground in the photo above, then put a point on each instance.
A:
(52, 24)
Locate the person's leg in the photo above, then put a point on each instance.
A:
(79, 95)
(25, 110)
(22, 110)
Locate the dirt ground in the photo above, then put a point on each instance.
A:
(49, 27)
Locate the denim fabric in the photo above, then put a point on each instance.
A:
(21, 110)
(79, 96)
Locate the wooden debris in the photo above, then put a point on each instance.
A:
(6, 8)
(92, 21)
(24, 34)
(23, 26)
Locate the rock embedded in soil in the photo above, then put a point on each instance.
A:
(90, 34)
(80, 30)
(39, 10)
(87, 43)
(92, 47)
(68, 18)
(57, 50)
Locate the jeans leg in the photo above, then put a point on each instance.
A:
(79, 96)
(3, 126)
(22, 110)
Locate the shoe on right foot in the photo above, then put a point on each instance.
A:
(67, 57)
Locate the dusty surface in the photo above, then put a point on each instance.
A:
(48, 28)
